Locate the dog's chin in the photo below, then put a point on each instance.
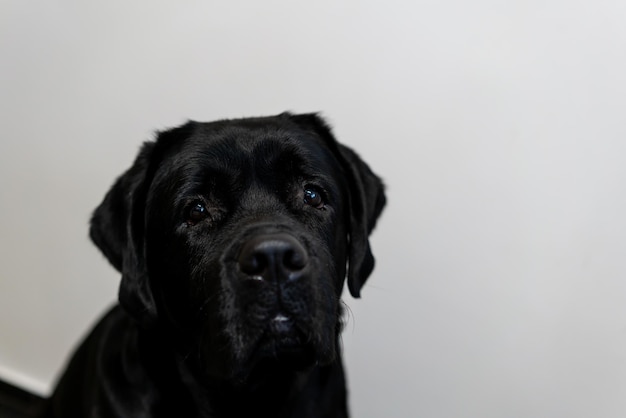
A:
(279, 342)
(281, 348)
(284, 345)
(289, 348)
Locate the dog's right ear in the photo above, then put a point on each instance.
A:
(117, 225)
(110, 226)
(117, 230)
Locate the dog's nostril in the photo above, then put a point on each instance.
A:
(253, 264)
(295, 260)
(270, 257)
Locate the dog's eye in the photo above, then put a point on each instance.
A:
(197, 212)
(313, 197)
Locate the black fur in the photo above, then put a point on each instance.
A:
(233, 239)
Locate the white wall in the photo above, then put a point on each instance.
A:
(499, 128)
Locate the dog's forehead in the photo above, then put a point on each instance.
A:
(231, 147)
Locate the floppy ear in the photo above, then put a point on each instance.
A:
(366, 201)
(117, 225)
(117, 230)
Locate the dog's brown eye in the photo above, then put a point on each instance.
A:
(197, 212)
(312, 197)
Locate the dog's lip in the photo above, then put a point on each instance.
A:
(280, 317)
(282, 324)
(283, 340)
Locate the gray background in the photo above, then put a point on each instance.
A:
(499, 128)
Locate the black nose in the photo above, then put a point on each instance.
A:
(273, 257)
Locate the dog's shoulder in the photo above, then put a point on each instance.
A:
(99, 363)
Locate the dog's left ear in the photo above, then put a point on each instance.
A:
(366, 200)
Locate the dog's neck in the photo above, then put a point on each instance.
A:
(271, 390)
(277, 394)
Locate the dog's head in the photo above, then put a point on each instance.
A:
(236, 235)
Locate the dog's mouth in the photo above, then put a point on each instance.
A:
(283, 334)
(283, 340)
(281, 323)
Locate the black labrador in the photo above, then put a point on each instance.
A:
(233, 239)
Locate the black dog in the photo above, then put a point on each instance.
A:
(233, 239)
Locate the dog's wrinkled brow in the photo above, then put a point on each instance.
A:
(277, 167)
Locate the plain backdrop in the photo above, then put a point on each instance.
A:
(499, 128)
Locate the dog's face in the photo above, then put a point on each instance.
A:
(246, 241)
(234, 236)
